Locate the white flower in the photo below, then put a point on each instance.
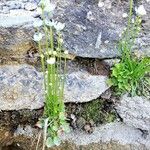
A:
(38, 37)
(61, 40)
(42, 56)
(140, 10)
(51, 60)
(54, 53)
(100, 4)
(39, 11)
(124, 15)
(50, 23)
(66, 52)
(47, 5)
(133, 20)
(50, 52)
(37, 24)
(59, 26)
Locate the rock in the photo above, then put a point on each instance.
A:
(16, 39)
(101, 23)
(14, 4)
(83, 87)
(91, 31)
(5, 9)
(21, 87)
(30, 6)
(135, 112)
(107, 94)
(81, 122)
(111, 62)
(114, 136)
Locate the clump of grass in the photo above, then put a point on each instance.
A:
(132, 70)
(52, 56)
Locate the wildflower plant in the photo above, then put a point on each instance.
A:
(52, 57)
(127, 75)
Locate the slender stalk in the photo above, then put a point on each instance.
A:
(45, 133)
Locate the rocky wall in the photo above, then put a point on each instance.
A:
(92, 31)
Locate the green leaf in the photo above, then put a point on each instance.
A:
(66, 128)
(62, 116)
(55, 128)
(57, 141)
(49, 142)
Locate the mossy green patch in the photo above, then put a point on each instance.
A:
(98, 111)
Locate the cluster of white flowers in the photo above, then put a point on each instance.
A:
(57, 25)
(38, 37)
(38, 24)
(47, 6)
(51, 60)
(50, 23)
(124, 15)
(66, 52)
(140, 10)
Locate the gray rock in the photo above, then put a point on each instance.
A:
(5, 9)
(102, 27)
(91, 31)
(21, 87)
(13, 4)
(30, 6)
(16, 33)
(135, 112)
(107, 94)
(83, 87)
(113, 136)
(111, 62)
(81, 122)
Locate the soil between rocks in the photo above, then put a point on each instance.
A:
(12, 119)
(80, 116)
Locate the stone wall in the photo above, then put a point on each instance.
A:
(92, 31)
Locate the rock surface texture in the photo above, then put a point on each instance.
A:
(114, 136)
(21, 87)
(91, 30)
(135, 112)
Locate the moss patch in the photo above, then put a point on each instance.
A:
(96, 112)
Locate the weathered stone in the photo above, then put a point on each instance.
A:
(102, 27)
(21, 87)
(16, 39)
(111, 62)
(135, 112)
(13, 4)
(107, 94)
(91, 31)
(83, 87)
(114, 136)
(30, 6)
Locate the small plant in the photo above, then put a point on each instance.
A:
(127, 75)
(53, 61)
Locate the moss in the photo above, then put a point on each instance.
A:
(98, 111)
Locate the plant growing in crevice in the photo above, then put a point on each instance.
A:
(52, 57)
(127, 75)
